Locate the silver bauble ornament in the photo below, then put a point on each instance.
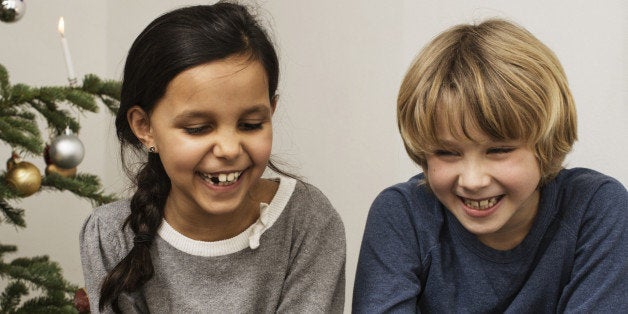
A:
(66, 150)
(12, 10)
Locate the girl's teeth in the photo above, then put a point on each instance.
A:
(222, 179)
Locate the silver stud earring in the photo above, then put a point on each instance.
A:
(151, 149)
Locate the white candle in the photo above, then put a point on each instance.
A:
(66, 52)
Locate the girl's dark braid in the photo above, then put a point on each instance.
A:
(147, 204)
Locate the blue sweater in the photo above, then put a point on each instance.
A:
(416, 256)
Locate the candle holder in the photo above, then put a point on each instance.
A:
(73, 81)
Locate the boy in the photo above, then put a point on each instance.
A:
(494, 223)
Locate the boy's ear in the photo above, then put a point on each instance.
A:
(140, 125)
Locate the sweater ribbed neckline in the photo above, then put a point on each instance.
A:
(249, 238)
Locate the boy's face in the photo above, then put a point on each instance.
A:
(490, 187)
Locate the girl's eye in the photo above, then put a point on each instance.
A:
(196, 130)
(500, 150)
(250, 126)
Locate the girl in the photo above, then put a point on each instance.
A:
(203, 231)
(494, 224)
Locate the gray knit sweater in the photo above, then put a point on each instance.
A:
(292, 260)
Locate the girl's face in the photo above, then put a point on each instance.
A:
(213, 132)
(490, 187)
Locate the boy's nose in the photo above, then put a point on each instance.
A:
(473, 177)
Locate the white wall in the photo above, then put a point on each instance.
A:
(342, 63)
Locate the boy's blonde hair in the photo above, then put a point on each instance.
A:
(496, 77)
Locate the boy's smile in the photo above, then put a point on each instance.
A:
(490, 187)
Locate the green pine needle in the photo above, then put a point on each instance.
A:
(12, 215)
(4, 81)
(6, 249)
(82, 100)
(83, 185)
(10, 298)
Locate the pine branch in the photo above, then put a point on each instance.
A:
(19, 94)
(12, 215)
(6, 249)
(39, 272)
(112, 104)
(50, 95)
(20, 132)
(83, 185)
(4, 81)
(10, 298)
(108, 91)
(82, 100)
(57, 118)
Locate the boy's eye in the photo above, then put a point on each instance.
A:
(442, 152)
(500, 150)
(250, 126)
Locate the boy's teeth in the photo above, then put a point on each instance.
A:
(483, 204)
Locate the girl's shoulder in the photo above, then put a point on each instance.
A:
(114, 212)
(307, 204)
(107, 220)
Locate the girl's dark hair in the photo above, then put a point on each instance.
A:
(171, 44)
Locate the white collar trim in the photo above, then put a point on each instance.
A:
(248, 238)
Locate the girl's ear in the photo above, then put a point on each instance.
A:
(273, 104)
(140, 125)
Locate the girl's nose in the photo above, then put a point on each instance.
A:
(227, 145)
(473, 177)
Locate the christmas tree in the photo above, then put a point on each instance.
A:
(20, 108)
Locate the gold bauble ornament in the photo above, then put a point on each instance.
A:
(25, 178)
(68, 173)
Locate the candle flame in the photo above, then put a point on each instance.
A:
(61, 26)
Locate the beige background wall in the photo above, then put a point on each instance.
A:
(342, 63)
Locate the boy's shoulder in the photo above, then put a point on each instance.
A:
(411, 200)
(585, 182)
(415, 192)
(581, 194)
